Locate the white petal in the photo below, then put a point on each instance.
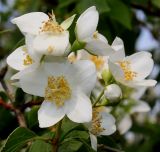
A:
(108, 123)
(102, 38)
(79, 108)
(141, 63)
(99, 47)
(141, 106)
(143, 83)
(34, 82)
(85, 77)
(31, 22)
(125, 124)
(93, 139)
(87, 23)
(51, 44)
(49, 114)
(116, 71)
(67, 23)
(16, 58)
(29, 44)
(119, 53)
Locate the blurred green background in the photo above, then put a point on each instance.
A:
(137, 22)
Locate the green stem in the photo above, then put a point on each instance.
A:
(98, 99)
(57, 136)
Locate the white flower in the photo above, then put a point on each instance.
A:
(45, 34)
(20, 59)
(131, 70)
(86, 33)
(113, 92)
(102, 123)
(65, 88)
(126, 122)
(101, 62)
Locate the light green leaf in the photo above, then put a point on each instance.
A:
(120, 12)
(67, 23)
(17, 139)
(156, 3)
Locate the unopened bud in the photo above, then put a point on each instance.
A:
(106, 75)
(113, 92)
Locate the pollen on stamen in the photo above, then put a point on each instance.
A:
(126, 67)
(98, 61)
(96, 127)
(28, 60)
(57, 90)
(50, 49)
(95, 35)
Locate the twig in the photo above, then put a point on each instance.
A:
(6, 105)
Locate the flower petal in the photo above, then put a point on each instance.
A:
(93, 139)
(141, 63)
(50, 44)
(141, 106)
(79, 108)
(49, 114)
(108, 123)
(116, 71)
(34, 82)
(87, 23)
(119, 53)
(85, 77)
(16, 58)
(99, 47)
(30, 22)
(143, 83)
(124, 124)
(67, 23)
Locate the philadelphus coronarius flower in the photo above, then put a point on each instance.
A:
(102, 123)
(44, 33)
(86, 33)
(131, 70)
(65, 88)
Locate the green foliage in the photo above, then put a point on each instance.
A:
(17, 139)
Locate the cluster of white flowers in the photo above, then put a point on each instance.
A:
(78, 80)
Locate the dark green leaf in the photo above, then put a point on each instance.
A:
(17, 139)
(40, 146)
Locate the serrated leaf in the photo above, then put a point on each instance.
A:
(101, 5)
(40, 146)
(120, 12)
(17, 139)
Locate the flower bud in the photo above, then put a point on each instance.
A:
(106, 75)
(113, 92)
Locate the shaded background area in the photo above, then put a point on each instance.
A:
(137, 22)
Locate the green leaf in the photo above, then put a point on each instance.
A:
(101, 5)
(19, 97)
(31, 117)
(156, 3)
(120, 12)
(40, 146)
(70, 146)
(3, 96)
(17, 139)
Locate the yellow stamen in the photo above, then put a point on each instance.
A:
(72, 58)
(126, 67)
(57, 90)
(28, 60)
(98, 61)
(95, 34)
(50, 49)
(96, 127)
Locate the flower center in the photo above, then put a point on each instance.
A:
(96, 127)
(126, 67)
(98, 61)
(51, 25)
(57, 90)
(28, 60)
